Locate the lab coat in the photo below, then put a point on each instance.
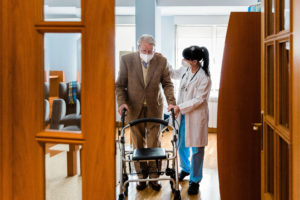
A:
(193, 103)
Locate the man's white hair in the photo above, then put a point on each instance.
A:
(146, 38)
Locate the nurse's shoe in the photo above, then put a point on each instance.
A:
(182, 174)
(193, 188)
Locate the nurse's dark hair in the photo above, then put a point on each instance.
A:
(199, 54)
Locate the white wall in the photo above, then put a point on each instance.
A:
(204, 19)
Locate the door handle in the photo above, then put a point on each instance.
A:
(256, 126)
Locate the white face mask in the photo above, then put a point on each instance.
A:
(146, 57)
(185, 64)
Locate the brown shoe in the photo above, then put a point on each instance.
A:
(141, 186)
(155, 185)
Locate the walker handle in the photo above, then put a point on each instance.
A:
(123, 117)
(155, 120)
(173, 116)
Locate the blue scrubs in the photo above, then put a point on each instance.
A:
(195, 167)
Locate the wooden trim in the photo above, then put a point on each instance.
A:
(83, 10)
(285, 132)
(98, 108)
(50, 29)
(72, 135)
(39, 10)
(59, 24)
(276, 166)
(267, 44)
(277, 17)
(6, 108)
(279, 36)
(58, 140)
(212, 130)
(295, 101)
(291, 177)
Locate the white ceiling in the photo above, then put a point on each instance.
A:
(188, 7)
(129, 3)
(166, 7)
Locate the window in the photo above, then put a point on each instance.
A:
(124, 42)
(213, 38)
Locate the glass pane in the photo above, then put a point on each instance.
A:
(284, 170)
(284, 72)
(62, 10)
(270, 80)
(62, 81)
(63, 171)
(284, 14)
(270, 12)
(270, 161)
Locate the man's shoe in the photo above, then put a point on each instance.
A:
(155, 185)
(141, 186)
(193, 188)
(182, 174)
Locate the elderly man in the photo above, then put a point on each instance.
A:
(138, 90)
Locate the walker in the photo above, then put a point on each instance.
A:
(127, 157)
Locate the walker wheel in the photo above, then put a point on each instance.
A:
(177, 195)
(172, 187)
(125, 178)
(121, 197)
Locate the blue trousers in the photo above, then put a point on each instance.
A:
(195, 167)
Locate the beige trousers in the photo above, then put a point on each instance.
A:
(146, 135)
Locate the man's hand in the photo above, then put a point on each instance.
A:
(176, 109)
(122, 107)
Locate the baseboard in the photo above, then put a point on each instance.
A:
(212, 130)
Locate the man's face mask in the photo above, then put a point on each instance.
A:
(146, 57)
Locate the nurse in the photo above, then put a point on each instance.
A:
(192, 108)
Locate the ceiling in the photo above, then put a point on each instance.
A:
(166, 7)
(130, 3)
(188, 7)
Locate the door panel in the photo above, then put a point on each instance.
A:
(22, 129)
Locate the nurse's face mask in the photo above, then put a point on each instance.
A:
(185, 63)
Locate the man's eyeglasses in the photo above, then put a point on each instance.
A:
(144, 51)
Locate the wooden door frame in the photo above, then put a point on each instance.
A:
(295, 16)
(21, 101)
(295, 95)
(6, 118)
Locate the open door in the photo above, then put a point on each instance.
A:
(238, 108)
(24, 137)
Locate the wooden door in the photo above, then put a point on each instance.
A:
(23, 137)
(276, 100)
(238, 107)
